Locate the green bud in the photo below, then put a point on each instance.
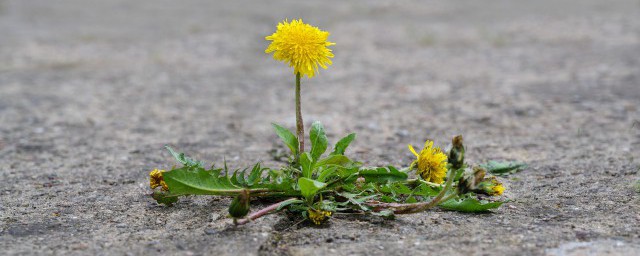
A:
(240, 205)
(456, 154)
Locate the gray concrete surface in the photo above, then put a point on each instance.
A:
(90, 91)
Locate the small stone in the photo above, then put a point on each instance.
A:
(79, 246)
(210, 231)
(402, 133)
(215, 216)
(121, 225)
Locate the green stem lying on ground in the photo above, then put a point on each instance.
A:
(299, 122)
(419, 207)
(262, 212)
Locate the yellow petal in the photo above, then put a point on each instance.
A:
(412, 150)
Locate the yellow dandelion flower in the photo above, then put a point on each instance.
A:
(318, 216)
(499, 189)
(490, 186)
(156, 180)
(431, 163)
(302, 46)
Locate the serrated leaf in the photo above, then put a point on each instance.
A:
(198, 181)
(255, 174)
(309, 187)
(287, 137)
(306, 164)
(469, 205)
(181, 158)
(319, 140)
(239, 177)
(503, 168)
(382, 175)
(342, 144)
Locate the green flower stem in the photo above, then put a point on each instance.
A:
(299, 122)
(417, 181)
(263, 212)
(449, 197)
(419, 207)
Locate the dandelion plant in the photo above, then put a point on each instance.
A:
(321, 181)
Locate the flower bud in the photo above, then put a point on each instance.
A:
(470, 179)
(240, 205)
(474, 180)
(456, 154)
(360, 181)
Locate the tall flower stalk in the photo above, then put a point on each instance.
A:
(299, 121)
(303, 47)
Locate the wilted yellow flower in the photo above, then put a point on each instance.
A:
(156, 180)
(431, 163)
(318, 216)
(490, 186)
(302, 46)
(499, 189)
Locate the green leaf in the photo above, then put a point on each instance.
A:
(306, 163)
(319, 140)
(163, 198)
(410, 200)
(255, 174)
(198, 181)
(326, 173)
(181, 158)
(309, 187)
(333, 160)
(503, 168)
(425, 190)
(382, 175)
(356, 201)
(387, 214)
(342, 144)
(469, 205)
(185, 181)
(287, 137)
(288, 202)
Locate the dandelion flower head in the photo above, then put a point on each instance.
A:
(431, 163)
(156, 180)
(302, 46)
(318, 216)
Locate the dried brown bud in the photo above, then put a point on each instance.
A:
(456, 154)
(470, 179)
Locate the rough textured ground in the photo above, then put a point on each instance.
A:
(90, 91)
